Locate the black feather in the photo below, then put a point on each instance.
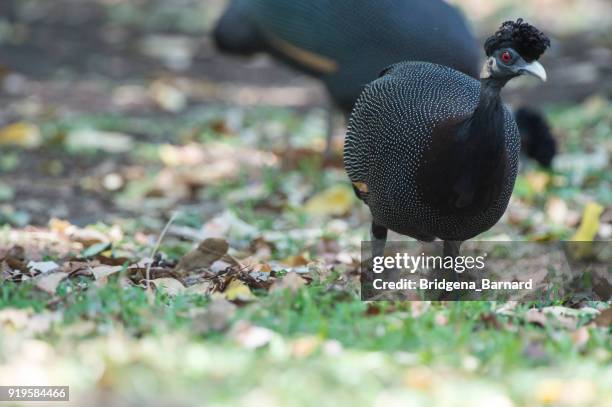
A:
(523, 37)
(537, 140)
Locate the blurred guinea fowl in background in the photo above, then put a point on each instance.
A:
(346, 43)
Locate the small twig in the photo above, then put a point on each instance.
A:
(156, 248)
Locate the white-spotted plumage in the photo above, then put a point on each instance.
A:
(389, 134)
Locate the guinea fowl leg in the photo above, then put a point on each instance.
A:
(379, 239)
(333, 119)
(451, 248)
(329, 135)
(378, 236)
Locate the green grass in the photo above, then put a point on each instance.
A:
(326, 313)
(448, 347)
(324, 344)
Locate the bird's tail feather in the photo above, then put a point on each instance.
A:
(537, 140)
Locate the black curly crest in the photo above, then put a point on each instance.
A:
(523, 37)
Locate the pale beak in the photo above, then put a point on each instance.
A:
(536, 69)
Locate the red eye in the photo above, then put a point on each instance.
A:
(506, 57)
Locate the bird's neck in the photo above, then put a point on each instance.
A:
(485, 127)
(470, 168)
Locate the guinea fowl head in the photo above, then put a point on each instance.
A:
(514, 50)
(235, 33)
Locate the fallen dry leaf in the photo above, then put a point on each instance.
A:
(251, 336)
(557, 210)
(292, 281)
(214, 167)
(103, 271)
(96, 249)
(295, 261)
(49, 282)
(604, 319)
(199, 289)
(92, 139)
(334, 201)
(421, 378)
(174, 156)
(202, 257)
(418, 308)
(88, 237)
(59, 226)
(535, 350)
(568, 318)
(21, 134)
(175, 51)
(590, 223)
(25, 320)
(536, 316)
(490, 320)
(564, 317)
(441, 319)
(216, 317)
(169, 286)
(238, 291)
(43, 267)
(18, 318)
(167, 96)
(537, 181)
(580, 336)
(304, 347)
(549, 391)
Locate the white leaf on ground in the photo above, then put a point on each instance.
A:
(169, 286)
(26, 320)
(43, 267)
(103, 271)
(18, 318)
(167, 96)
(90, 139)
(251, 336)
(225, 224)
(176, 51)
(199, 289)
(49, 282)
(292, 281)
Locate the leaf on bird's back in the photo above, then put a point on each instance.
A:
(361, 186)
